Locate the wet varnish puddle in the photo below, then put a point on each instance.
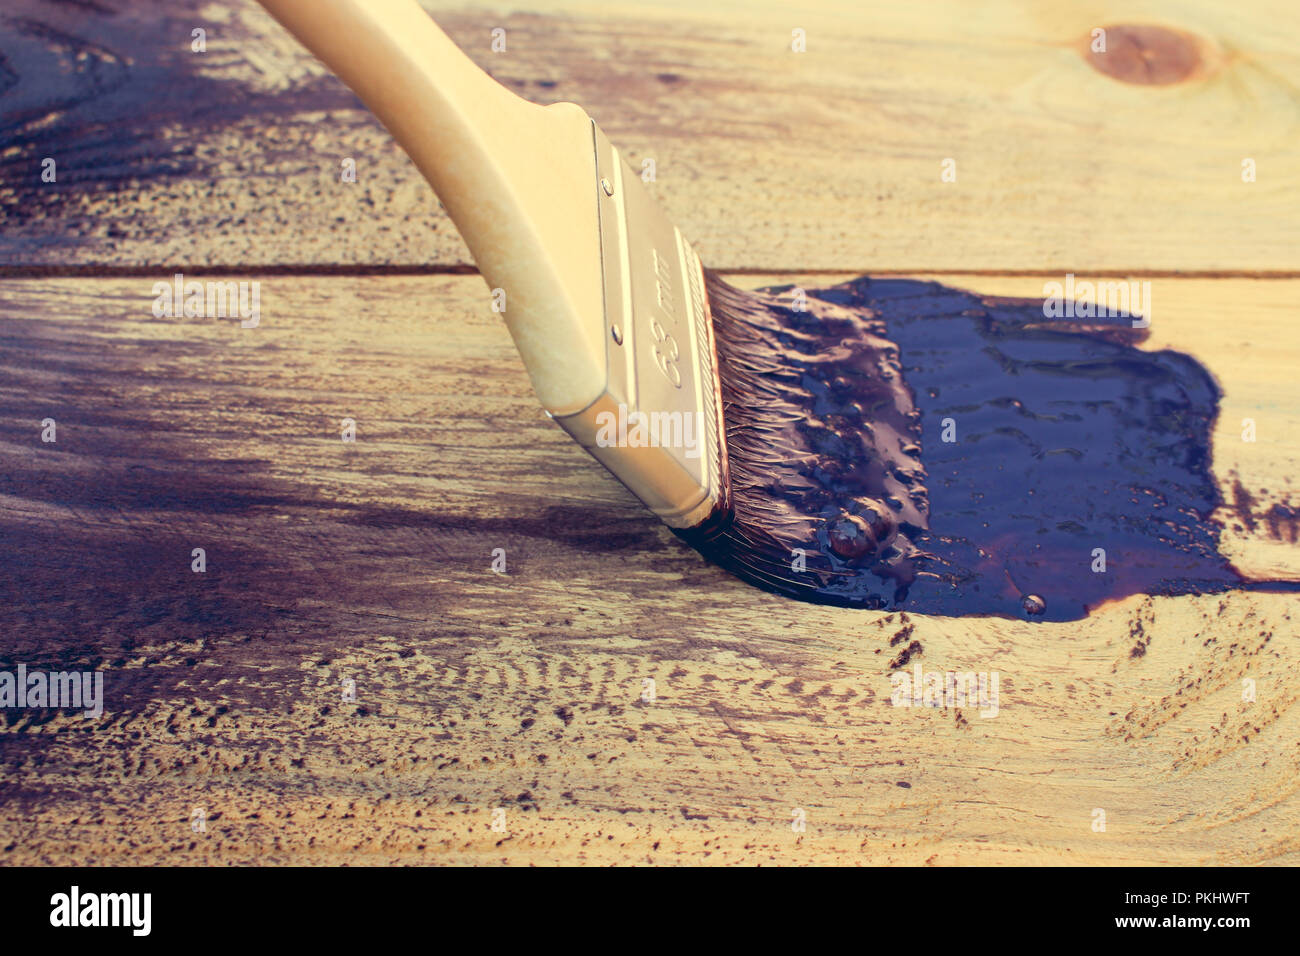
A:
(902, 444)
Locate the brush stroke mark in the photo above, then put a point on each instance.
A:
(1067, 438)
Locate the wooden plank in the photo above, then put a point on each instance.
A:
(476, 691)
(769, 159)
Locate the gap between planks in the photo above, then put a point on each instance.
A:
(460, 269)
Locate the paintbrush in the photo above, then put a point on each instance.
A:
(779, 442)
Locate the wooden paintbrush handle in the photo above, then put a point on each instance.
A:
(518, 179)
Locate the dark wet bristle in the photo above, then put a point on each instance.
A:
(823, 448)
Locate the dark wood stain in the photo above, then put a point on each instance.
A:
(930, 449)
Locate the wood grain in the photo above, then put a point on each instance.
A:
(768, 159)
(477, 691)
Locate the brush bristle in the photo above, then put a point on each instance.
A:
(823, 450)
